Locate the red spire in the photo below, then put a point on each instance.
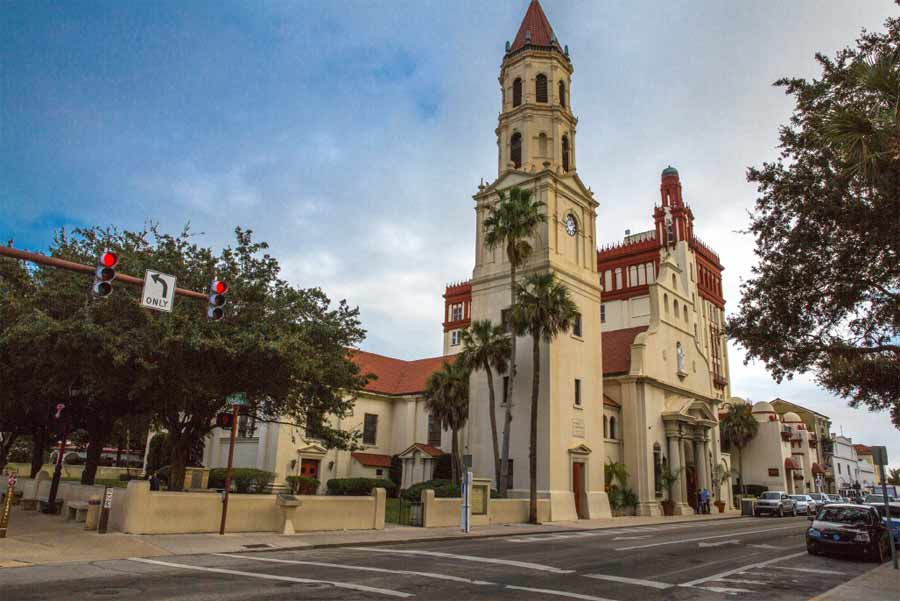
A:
(536, 27)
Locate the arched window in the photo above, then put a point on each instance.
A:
(666, 303)
(605, 427)
(612, 428)
(675, 306)
(542, 144)
(685, 314)
(515, 149)
(565, 153)
(674, 282)
(562, 93)
(679, 356)
(517, 92)
(540, 88)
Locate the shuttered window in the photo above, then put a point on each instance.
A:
(515, 149)
(517, 92)
(434, 431)
(565, 153)
(540, 88)
(562, 94)
(370, 428)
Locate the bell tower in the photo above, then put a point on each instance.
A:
(536, 153)
(537, 126)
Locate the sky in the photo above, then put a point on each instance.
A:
(352, 135)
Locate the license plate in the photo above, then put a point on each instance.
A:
(836, 537)
(815, 534)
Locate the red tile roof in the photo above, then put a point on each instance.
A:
(790, 464)
(610, 402)
(372, 459)
(862, 449)
(617, 350)
(396, 376)
(536, 23)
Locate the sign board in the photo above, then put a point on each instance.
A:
(159, 291)
(107, 498)
(879, 455)
(237, 398)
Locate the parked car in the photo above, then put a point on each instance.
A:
(805, 504)
(847, 529)
(894, 525)
(820, 498)
(775, 502)
(879, 499)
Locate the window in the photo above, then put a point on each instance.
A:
(632, 276)
(455, 336)
(456, 312)
(540, 88)
(666, 303)
(607, 280)
(515, 149)
(517, 92)
(434, 431)
(565, 153)
(370, 428)
(562, 93)
(612, 428)
(577, 392)
(542, 144)
(379, 472)
(675, 306)
(505, 389)
(685, 313)
(509, 474)
(605, 427)
(603, 311)
(246, 426)
(313, 423)
(504, 319)
(576, 325)
(674, 282)
(618, 278)
(651, 273)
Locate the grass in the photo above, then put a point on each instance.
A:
(102, 482)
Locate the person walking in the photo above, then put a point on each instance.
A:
(154, 481)
(705, 496)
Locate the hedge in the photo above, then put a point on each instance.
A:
(302, 485)
(441, 488)
(244, 480)
(358, 487)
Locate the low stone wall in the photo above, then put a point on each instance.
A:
(75, 471)
(143, 512)
(440, 513)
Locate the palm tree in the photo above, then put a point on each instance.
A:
(486, 347)
(543, 309)
(447, 398)
(894, 477)
(510, 224)
(738, 428)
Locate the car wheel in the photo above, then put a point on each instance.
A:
(882, 554)
(780, 511)
(794, 510)
(811, 549)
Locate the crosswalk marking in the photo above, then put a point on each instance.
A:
(810, 570)
(547, 591)
(699, 538)
(506, 562)
(741, 569)
(347, 585)
(637, 581)
(358, 568)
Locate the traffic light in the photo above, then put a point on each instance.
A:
(217, 291)
(224, 420)
(105, 274)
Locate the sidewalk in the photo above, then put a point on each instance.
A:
(878, 584)
(36, 539)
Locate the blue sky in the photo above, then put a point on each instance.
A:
(351, 135)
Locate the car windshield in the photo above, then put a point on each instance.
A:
(875, 499)
(817, 496)
(770, 495)
(895, 510)
(799, 497)
(846, 515)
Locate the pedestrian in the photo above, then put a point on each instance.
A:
(705, 494)
(154, 481)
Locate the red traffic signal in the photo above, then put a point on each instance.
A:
(224, 420)
(105, 274)
(217, 290)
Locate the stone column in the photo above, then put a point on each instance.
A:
(700, 461)
(675, 464)
(682, 481)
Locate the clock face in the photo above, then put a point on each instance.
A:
(571, 225)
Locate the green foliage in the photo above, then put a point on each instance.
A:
(615, 472)
(442, 489)
(751, 490)
(668, 477)
(243, 480)
(894, 476)
(824, 294)
(621, 498)
(443, 467)
(302, 485)
(447, 399)
(358, 487)
(160, 451)
(395, 474)
(737, 429)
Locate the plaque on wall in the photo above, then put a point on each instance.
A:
(578, 427)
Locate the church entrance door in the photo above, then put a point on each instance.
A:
(578, 488)
(691, 475)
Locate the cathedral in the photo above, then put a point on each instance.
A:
(638, 379)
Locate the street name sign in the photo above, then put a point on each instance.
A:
(159, 291)
(237, 398)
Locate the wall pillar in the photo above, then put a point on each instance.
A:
(700, 461)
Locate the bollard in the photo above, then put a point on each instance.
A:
(7, 505)
(104, 510)
(93, 513)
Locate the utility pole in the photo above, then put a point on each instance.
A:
(879, 454)
(237, 401)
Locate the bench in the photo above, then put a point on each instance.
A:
(44, 504)
(29, 504)
(76, 510)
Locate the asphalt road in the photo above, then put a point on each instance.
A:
(747, 558)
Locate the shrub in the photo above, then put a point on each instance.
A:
(302, 485)
(629, 498)
(616, 499)
(753, 490)
(396, 472)
(443, 468)
(216, 478)
(358, 487)
(442, 489)
(163, 474)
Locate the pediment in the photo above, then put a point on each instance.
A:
(312, 449)
(581, 449)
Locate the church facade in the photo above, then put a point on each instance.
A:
(638, 378)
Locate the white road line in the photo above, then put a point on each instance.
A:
(752, 566)
(739, 581)
(505, 562)
(547, 591)
(359, 568)
(355, 587)
(637, 581)
(724, 589)
(810, 570)
(693, 540)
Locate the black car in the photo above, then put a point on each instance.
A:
(847, 529)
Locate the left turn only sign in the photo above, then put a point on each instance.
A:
(159, 291)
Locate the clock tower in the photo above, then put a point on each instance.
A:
(537, 152)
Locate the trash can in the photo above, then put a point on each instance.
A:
(93, 513)
(747, 507)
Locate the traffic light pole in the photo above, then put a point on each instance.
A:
(234, 426)
(39, 259)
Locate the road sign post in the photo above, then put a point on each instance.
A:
(63, 425)
(236, 401)
(879, 455)
(104, 510)
(7, 504)
(159, 291)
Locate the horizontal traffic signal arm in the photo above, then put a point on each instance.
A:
(13, 253)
